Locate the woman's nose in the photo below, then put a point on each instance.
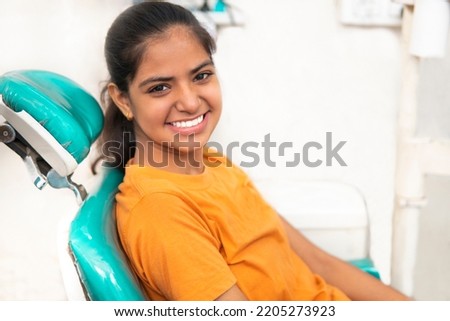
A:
(188, 100)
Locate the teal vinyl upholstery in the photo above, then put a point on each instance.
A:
(62, 107)
(74, 118)
(366, 265)
(93, 240)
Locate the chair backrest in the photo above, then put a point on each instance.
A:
(102, 265)
(54, 121)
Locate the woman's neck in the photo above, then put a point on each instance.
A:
(170, 159)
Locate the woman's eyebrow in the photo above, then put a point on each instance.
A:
(164, 79)
(202, 65)
(154, 79)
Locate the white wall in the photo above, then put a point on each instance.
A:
(434, 239)
(293, 71)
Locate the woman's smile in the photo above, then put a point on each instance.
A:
(189, 126)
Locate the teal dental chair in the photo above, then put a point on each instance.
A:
(51, 123)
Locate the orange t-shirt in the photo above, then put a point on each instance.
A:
(192, 237)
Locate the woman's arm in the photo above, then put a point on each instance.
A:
(358, 285)
(233, 294)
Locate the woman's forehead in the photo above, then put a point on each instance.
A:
(177, 48)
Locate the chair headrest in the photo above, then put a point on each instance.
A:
(65, 110)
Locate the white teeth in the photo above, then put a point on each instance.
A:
(189, 123)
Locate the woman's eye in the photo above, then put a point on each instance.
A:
(202, 76)
(158, 88)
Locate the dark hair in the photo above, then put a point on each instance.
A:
(125, 45)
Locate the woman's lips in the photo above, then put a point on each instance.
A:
(188, 127)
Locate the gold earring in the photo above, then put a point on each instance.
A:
(128, 116)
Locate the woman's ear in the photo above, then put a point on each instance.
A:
(121, 100)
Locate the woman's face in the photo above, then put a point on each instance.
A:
(175, 97)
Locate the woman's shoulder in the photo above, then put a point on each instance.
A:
(145, 200)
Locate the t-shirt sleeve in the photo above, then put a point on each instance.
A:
(175, 251)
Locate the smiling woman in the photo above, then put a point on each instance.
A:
(193, 231)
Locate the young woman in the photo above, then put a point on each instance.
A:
(193, 225)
